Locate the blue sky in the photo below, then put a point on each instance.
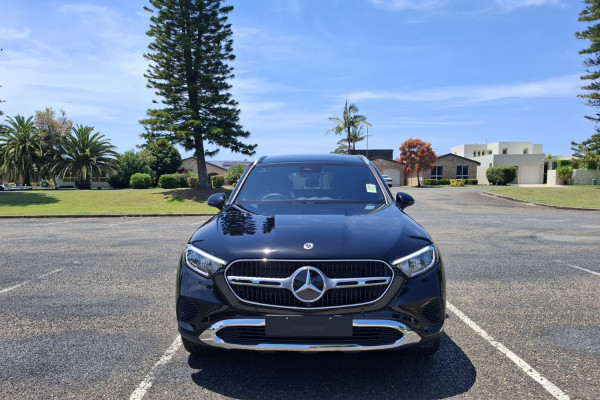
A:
(449, 72)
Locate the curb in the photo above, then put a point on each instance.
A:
(105, 216)
(533, 203)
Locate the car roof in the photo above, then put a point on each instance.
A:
(301, 158)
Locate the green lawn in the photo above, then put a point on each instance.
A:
(100, 202)
(566, 196)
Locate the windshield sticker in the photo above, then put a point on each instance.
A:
(370, 207)
(371, 188)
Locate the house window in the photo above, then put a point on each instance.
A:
(525, 151)
(437, 172)
(474, 153)
(504, 151)
(462, 172)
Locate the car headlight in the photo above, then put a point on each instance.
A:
(202, 262)
(418, 262)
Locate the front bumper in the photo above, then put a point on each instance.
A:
(211, 337)
(411, 312)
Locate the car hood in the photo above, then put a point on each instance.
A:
(363, 232)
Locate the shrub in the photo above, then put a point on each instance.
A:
(233, 174)
(168, 181)
(471, 181)
(564, 172)
(564, 163)
(140, 181)
(501, 175)
(457, 182)
(193, 180)
(217, 181)
(181, 180)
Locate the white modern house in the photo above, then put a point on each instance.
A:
(527, 157)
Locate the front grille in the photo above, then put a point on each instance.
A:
(244, 278)
(363, 336)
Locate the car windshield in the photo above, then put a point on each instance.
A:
(310, 183)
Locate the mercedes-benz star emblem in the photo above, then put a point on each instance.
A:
(308, 246)
(308, 284)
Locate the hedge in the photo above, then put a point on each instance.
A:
(172, 181)
(501, 175)
(168, 181)
(217, 181)
(140, 181)
(445, 182)
(193, 180)
(233, 174)
(434, 182)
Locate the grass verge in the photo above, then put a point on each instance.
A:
(106, 202)
(564, 196)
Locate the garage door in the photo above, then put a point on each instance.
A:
(394, 174)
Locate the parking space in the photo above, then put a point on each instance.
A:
(87, 311)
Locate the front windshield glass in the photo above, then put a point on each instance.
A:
(310, 183)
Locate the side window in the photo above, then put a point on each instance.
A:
(462, 172)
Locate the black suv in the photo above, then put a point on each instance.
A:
(311, 253)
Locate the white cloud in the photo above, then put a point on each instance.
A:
(565, 86)
(399, 5)
(513, 4)
(7, 34)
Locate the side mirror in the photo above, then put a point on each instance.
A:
(217, 200)
(404, 200)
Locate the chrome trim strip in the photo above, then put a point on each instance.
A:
(287, 282)
(210, 337)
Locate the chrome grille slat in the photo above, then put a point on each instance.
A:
(349, 282)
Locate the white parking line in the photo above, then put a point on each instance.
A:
(131, 222)
(68, 220)
(50, 273)
(8, 289)
(146, 384)
(554, 390)
(528, 369)
(583, 269)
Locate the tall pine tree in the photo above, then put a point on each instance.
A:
(591, 15)
(588, 151)
(189, 55)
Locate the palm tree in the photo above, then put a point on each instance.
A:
(20, 150)
(349, 123)
(357, 136)
(84, 153)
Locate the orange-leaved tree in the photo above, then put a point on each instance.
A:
(417, 156)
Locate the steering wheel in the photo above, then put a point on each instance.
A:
(274, 196)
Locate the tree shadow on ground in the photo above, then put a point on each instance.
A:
(374, 375)
(191, 194)
(21, 199)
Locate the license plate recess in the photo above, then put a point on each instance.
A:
(308, 326)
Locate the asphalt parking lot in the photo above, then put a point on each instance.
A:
(87, 311)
